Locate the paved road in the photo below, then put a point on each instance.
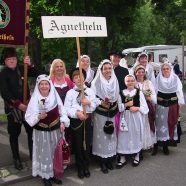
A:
(157, 170)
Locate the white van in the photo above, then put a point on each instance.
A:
(159, 53)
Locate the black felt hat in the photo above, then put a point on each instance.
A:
(8, 52)
(115, 52)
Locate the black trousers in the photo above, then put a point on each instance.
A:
(14, 130)
(81, 134)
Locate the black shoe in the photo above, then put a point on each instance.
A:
(135, 163)
(141, 155)
(154, 150)
(104, 168)
(86, 173)
(80, 173)
(109, 165)
(119, 165)
(165, 150)
(47, 182)
(56, 181)
(18, 165)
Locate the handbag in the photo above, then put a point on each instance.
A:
(123, 125)
(108, 128)
(61, 158)
(65, 152)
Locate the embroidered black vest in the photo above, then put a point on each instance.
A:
(135, 98)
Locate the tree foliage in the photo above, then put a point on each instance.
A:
(129, 24)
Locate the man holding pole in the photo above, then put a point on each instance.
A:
(12, 93)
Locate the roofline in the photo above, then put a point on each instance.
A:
(150, 47)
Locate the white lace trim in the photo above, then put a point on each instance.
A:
(43, 175)
(103, 155)
(129, 152)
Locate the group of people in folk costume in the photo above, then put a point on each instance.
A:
(142, 113)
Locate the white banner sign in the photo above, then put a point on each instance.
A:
(70, 26)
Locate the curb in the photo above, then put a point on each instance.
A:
(16, 175)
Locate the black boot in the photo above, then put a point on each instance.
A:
(15, 152)
(155, 149)
(30, 146)
(109, 164)
(80, 173)
(86, 172)
(141, 155)
(165, 149)
(18, 165)
(47, 182)
(56, 181)
(103, 166)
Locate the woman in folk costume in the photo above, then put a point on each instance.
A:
(169, 99)
(133, 108)
(106, 87)
(46, 114)
(62, 84)
(146, 86)
(60, 79)
(86, 65)
(142, 59)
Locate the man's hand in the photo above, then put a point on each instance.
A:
(27, 60)
(85, 102)
(22, 107)
(81, 116)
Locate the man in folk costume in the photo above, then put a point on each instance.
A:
(169, 100)
(12, 93)
(80, 122)
(120, 72)
(47, 115)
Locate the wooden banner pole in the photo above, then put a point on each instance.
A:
(80, 71)
(26, 50)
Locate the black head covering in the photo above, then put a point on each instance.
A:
(115, 52)
(76, 71)
(8, 52)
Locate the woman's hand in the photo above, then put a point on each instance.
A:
(148, 98)
(62, 127)
(129, 104)
(105, 104)
(134, 109)
(42, 115)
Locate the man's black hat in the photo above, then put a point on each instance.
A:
(115, 52)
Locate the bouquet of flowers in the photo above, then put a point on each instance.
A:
(106, 99)
(128, 98)
(147, 92)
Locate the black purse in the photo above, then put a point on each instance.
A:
(108, 128)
